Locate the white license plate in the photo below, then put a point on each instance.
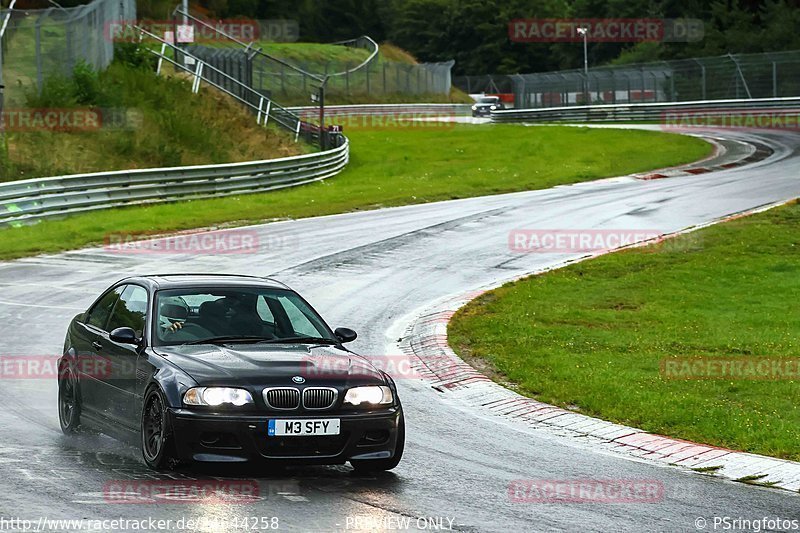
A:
(303, 428)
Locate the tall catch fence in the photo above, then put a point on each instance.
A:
(765, 75)
(41, 42)
(366, 72)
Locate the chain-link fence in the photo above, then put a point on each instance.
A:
(766, 75)
(40, 42)
(366, 73)
(486, 84)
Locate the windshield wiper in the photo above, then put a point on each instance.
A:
(299, 340)
(228, 339)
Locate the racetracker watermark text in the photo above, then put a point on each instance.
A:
(779, 119)
(247, 30)
(198, 242)
(586, 491)
(619, 30)
(69, 119)
(731, 368)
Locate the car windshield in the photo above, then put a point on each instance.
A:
(488, 100)
(199, 315)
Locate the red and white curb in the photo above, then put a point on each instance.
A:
(426, 340)
(755, 152)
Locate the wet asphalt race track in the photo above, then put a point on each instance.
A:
(372, 271)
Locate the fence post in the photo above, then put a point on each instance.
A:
(39, 76)
(672, 89)
(774, 79)
(703, 75)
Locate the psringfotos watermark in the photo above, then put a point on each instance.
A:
(605, 30)
(207, 31)
(738, 523)
(171, 491)
(780, 119)
(198, 242)
(731, 368)
(70, 119)
(566, 241)
(586, 491)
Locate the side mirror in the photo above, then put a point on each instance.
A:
(345, 334)
(124, 336)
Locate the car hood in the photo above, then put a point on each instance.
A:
(271, 365)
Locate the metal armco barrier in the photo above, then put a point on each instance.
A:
(385, 109)
(32, 200)
(651, 112)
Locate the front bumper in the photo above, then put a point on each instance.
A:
(211, 437)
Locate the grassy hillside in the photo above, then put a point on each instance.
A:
(146, 121)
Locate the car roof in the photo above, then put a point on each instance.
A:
(176, 281)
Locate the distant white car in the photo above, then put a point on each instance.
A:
(486, 104)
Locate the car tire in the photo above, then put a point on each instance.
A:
(69, 404)
(380, 465)
(158, 446)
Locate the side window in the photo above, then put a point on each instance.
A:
(130, 310)
(98, 315)
(263, 310)
(300, 322)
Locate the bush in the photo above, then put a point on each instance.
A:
(57, 91)
(87, 88)
(134, 55)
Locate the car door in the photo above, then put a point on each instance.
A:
(130, 311)
(87, 340)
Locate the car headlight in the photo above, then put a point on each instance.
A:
(493, 107)
(215, 396)
(369, 395)
(474, 107)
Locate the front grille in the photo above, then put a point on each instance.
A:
(319, 397)
(282, 398)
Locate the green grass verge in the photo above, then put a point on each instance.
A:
(592, 336)
(394, 166)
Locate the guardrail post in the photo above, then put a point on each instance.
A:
(266, 115)
(297, 131)
(260, 107)
(198, 73)
(161, 58)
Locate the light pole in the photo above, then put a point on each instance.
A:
(584, 32)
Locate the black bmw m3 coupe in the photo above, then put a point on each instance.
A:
(216, 368)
